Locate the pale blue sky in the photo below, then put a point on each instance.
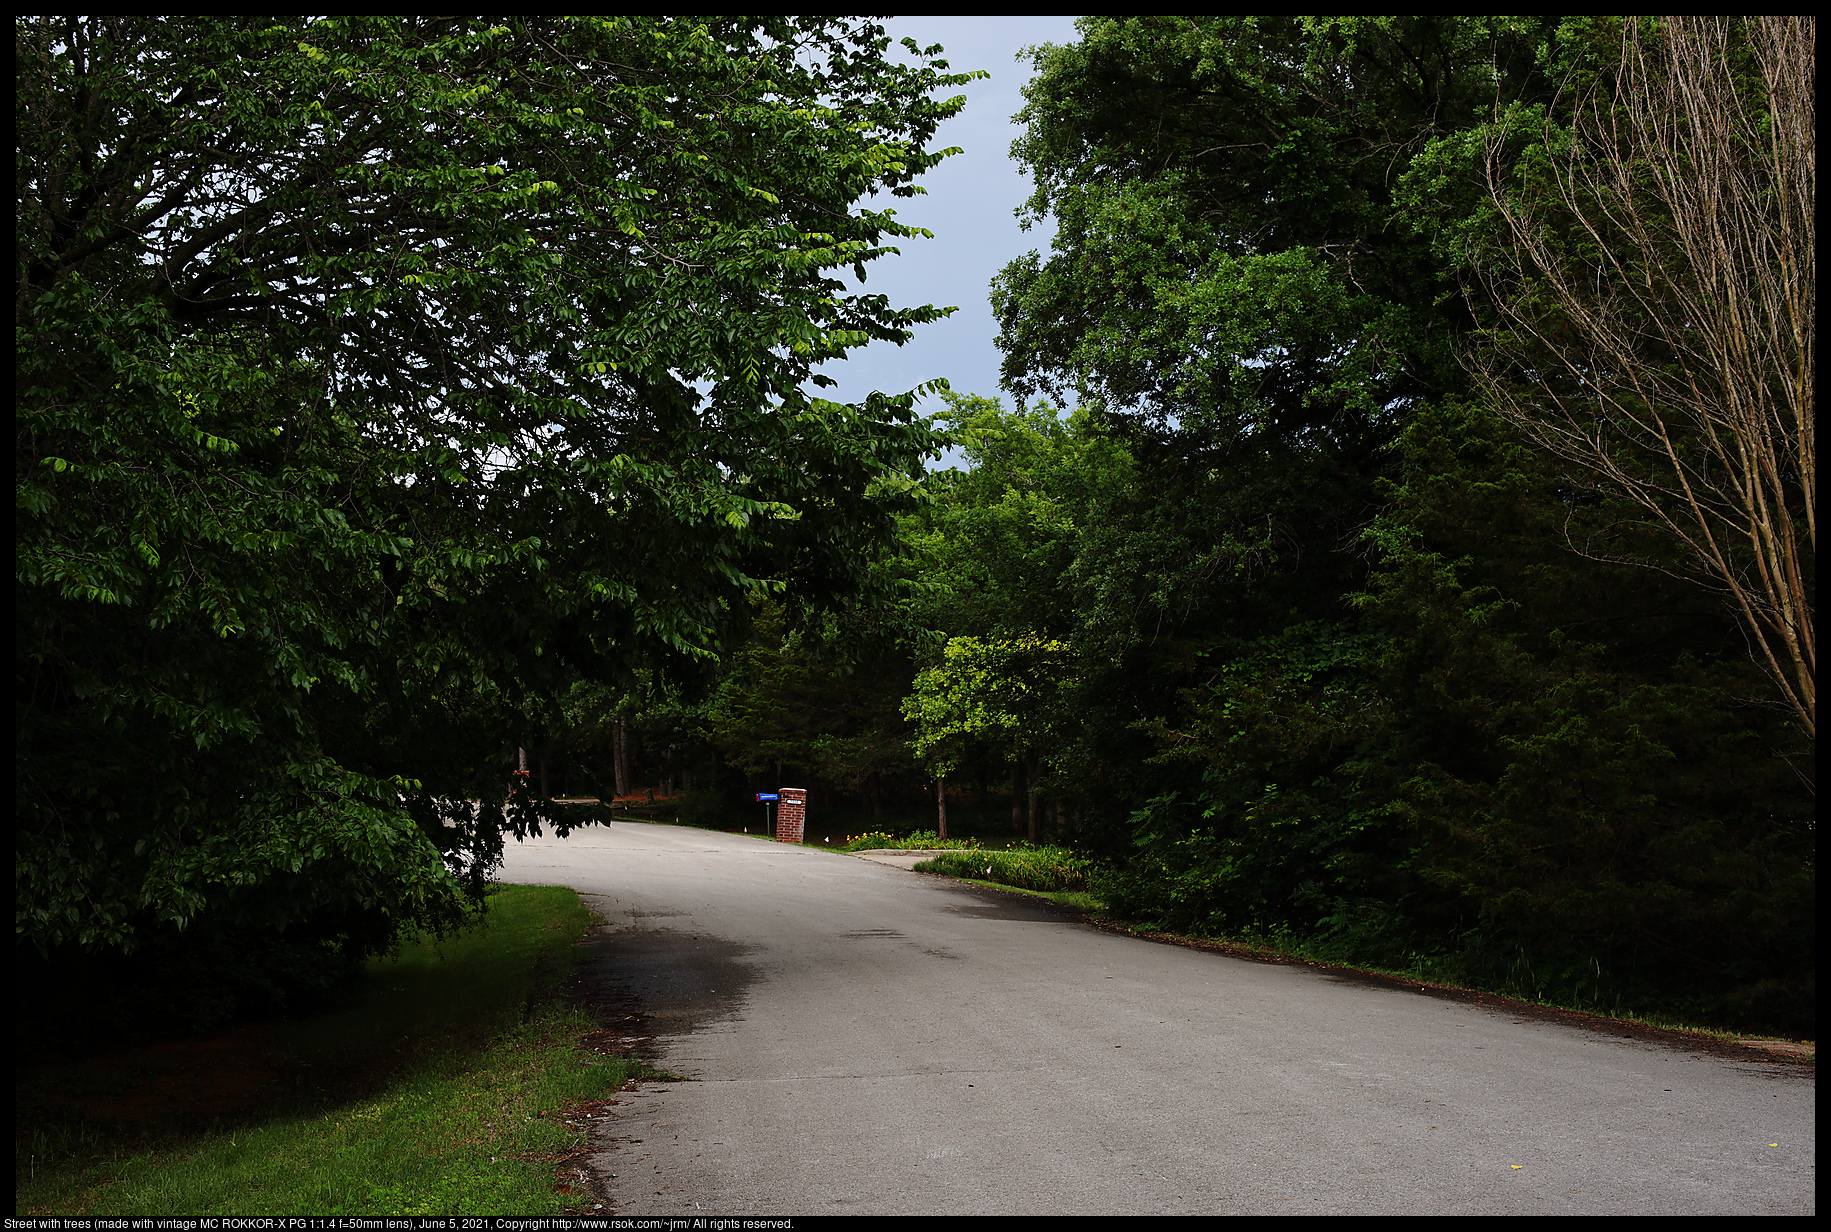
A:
(969, 206)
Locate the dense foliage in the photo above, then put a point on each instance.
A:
(380, 382)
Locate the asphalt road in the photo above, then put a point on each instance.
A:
(867, 1040)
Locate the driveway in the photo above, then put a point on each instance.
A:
(868, 1040)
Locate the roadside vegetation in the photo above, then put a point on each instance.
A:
(913, 840)
(439, 1089)
(1050, 869)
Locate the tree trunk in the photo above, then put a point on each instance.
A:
(1018, 792)
(619, 756)
(1033, 772)
(940, 807)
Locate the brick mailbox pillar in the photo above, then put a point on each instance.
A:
(791, 814)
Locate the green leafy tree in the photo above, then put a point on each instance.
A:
(379, 379)
(1277, 836)
(1230, 259)
(998, 540)
(802, 703)
(1234, 290)
(1588, 787)
(1009, 692)
(999, 552)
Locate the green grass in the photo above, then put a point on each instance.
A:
(434, 1094)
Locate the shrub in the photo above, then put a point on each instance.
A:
(1048, 869)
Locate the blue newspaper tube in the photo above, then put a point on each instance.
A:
(766, 798)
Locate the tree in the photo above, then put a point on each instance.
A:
(998, 540)
(998, 555)
(808, 702)
(1571, 760)
(1655, 283)
(377, 380)
(1235, 292)
(1230, 261)
(1008, 691)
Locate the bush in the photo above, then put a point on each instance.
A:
(1047, 869)
(915, 840)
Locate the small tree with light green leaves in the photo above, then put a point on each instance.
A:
(1009, 692)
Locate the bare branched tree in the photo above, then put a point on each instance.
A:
(1656, 291)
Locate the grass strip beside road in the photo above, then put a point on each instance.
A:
(439, 1092)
